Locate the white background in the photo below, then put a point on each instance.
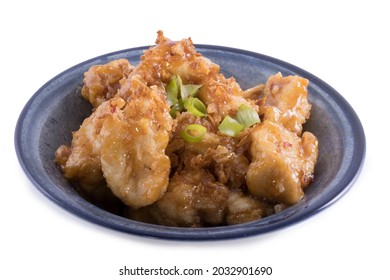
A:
(345, 43)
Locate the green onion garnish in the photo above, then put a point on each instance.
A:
(176, 108)
(187, 91)
(195, 107)
(193, 133)
(230, 126)
(247, 116)
(177, 94)
(173, 90)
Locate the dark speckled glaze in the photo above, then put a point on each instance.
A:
(57, 109)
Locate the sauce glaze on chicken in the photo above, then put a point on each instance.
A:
(129, 156)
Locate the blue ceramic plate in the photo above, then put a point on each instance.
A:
(57, 109)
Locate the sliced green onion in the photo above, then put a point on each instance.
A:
(173, 90)
(189, 90)
(178, 94)
(195, 107)
(193, 133)
(230, 126)
(176, 108)
(247, 116)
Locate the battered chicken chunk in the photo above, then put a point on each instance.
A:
(286, 101)
(168, 58)
(220, 154)
(242, 208)
(193, 199)
(282, 163)
(81, 161)
(223, 97)
(101, 82)
(133, 146)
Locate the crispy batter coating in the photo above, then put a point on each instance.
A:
(220, 154)
(131, 149)
(193, 199)
(81, 161)
(282, 162)
(242, 208)
(223, 97)
(101, 82)
(286, 101)
(168, 58)
(133, 145)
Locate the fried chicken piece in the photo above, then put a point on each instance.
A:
(123, 144)
(282, 163)
(81, 161)
(130, 145)
(215, 152)
(158, 64)
(242, 208)
(286, 101)
(228, 166)
(101, 82)
(167, 58)
(193, 199)
(190, 155)
(133, 146)
(223, 97)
